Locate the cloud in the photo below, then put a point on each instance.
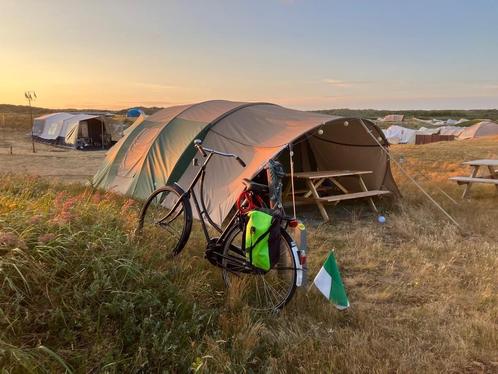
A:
(156, 86)
(337, 83)
(343, 84)
(491, 86)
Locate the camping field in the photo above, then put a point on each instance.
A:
(63, 164)
(80, 294)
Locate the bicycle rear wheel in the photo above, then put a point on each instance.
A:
(166, 218)
(262, 291)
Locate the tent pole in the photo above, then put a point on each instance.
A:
(409, 177)
(291, 154)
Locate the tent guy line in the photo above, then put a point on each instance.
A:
(411, 179)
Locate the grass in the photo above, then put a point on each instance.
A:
(78, 294)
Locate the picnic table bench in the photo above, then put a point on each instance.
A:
(314, 181)
(492, 178)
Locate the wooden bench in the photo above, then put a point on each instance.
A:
(354, 195)
(492, 178)
(466, 180)
(314, 181)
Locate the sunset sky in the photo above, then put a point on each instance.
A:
(386, 54)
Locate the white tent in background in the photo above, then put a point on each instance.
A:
(74, 130)
(427, 131)
(393, 118)
(427, 122)
(451, 130)
(400, 135)
(479, 130)
(451, 122)
(83, 129)
(48, 127)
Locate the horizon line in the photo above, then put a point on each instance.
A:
(305, 110)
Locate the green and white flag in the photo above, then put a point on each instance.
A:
(328, 281)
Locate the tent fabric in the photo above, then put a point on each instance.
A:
(134, 112)
(48, 127)
(400, 135)
(70, 127)
(393, 118)
(160, 149)
(427, 131)
(478, 130)
(65, 128)
(451, 130)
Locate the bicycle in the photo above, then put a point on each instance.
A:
(167, 216)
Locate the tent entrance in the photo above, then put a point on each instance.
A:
(92, 134)
(340, 145)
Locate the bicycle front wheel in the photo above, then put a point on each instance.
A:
(262, 291)
(166, 219)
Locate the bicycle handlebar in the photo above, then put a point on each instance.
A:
(204, 151)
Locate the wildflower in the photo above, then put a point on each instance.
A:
(129, 203)
(97, 197)
(35, 219)
(8, 239)
(65, 208)
(59, 199)
(45, 238)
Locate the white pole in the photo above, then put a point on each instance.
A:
(291, 155)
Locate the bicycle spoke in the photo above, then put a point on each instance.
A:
(173, 218)
(171, 230)
(264, 290)
(258, 295)
(271, 291)
(168, 228)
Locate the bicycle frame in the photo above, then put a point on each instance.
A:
(199, 203)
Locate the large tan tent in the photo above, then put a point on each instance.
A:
(159, 149)
(484, 128)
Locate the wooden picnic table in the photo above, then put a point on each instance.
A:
(492, 178)
(314, 181)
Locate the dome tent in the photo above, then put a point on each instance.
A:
(160, 149)
(134, 113)
(484, 128)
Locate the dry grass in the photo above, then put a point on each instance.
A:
(66, 165)
(424, 296)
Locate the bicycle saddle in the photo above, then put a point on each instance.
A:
(256, 187)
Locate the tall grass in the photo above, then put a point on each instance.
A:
(79, 294)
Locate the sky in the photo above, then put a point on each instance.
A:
(305, 54)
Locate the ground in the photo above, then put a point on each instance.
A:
(79, 293)
(66, 165)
